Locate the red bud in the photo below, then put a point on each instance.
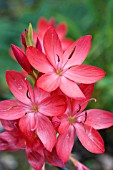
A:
(23, 40)
(22, 59)
(38, 45)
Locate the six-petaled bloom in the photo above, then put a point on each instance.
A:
(84, 124)
(63, 70)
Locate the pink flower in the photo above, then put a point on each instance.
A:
(61, 30)
(84, 124)
(64, 70)
(33, 108)
(13, 140)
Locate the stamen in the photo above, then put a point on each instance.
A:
(79, 108)
(71, 119)
(27, 94)
(72, 52)
(59, 72)
(85, 116)
(89, 100)
(10, 108)
(58, 57)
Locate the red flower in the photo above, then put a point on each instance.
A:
(33, 107)
(64, 70)
(13, 140)
(83, 123)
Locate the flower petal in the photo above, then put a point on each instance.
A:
(77, 52)
(61, 30)
(53, 47)
(10, 125)
(65, 143)
(27, 125)
(90, 138)
(40, 94)
(99, 119)
(43, 24)
(63, 126)
(19, 86)
(8, 142)
(70, 88)
(38, 60)
(85, 74)
(49, 82)
(46, 132)
(80, 105)
(66, 42)
(52, 158)
(35, 156)
(53, 106)
(11, 109)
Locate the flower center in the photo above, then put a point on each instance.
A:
(59, 72)
(71, 119)
(35, 108)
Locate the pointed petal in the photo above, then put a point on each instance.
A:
(49, 82)
(61, 30)
(56, 122)
(42, 25)
(27, 125)
(65, 143)
(11, 109)
(38, 60)
(38, 45)
(70, 88)
(63, 126)
(99, 119)
(52, 158)
(46, 132)
(35, 157)
(66, 42)
(90, 138)
(19, 86)
(85, 74)
(9, 125)
(40, 94)
(8, 142)
(87, 89)
(53, 105)
(52, 46)
(80, 105)
(78, 51)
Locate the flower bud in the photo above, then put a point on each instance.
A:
(38, 44)
(22, 59)
(23, 40)
(29, 36)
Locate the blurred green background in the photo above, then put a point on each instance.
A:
(83, 17)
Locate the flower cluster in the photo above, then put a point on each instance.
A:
(51, 94)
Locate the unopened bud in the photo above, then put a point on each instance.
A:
(23, 40)
(38, 45)
(29, 35)
(22, 59)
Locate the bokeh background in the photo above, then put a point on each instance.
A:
(83, 17)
